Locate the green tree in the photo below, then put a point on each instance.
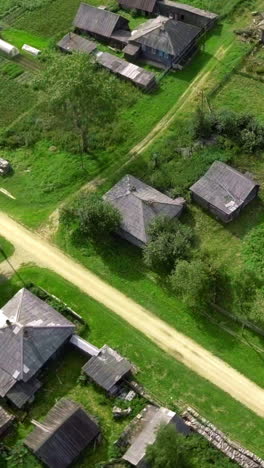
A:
(193, 282)
(170, 241)
(168, 450)
(91, 216)
(82, 95)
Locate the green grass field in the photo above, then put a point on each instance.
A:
(7, 248)
(168, 380)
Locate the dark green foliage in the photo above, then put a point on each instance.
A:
(168, 450)
(194, 282)
(170, 241)
(253, 250)
(91, 216)
(242, 129)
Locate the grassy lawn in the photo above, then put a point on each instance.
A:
(19, 38)
(15, 100)
(168, 380)
(7, 248)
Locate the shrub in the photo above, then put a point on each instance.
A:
(253, 248)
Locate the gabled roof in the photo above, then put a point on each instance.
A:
(145, 429)
(107, 368)
(165, 34)
(190, 8)
(139, 204)
(224, 187)
(96, 20)
(144, 5)
(31, 331)
(65, 432)
(72, 42)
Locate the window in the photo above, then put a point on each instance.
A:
(182, 17)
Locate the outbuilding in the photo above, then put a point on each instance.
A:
(8, 49)
(6, 420)
(141, 6)
(65, 432)
(74, 43)
(224, 191)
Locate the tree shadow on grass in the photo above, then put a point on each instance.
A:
(250, 217)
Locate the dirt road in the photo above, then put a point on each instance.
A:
(29, 246)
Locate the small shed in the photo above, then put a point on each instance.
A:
(72, 42)
(5, 167)
(224, 191)
(62, 436)
(108, 369)
(139, 204)
(143, 430)
(8, 49)
(6, 420)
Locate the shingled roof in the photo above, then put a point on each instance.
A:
(144, 5)
(31, 331)
(224, 187)
(72, 42)
(96, 20)
(139, 204)
(65, 432)
(166, 35)
(107, 368)
(144, 431)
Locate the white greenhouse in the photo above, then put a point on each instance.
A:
(8, 49)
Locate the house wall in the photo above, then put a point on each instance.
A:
(133, 240)
(156, 56)
(180, 14)
(226, 218)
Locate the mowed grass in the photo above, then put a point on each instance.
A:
(167, 380)
(5, 247)
(19, 38)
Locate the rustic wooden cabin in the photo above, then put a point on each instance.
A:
(74, 43)
(31, 333)
(102, 24)
(6, 420)
(139, 204)
(187, 13)
(143, 430)
(65, 432)
(144, 7)
(108, 369)
(224, 191)
(165, 42)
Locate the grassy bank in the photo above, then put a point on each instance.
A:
(7, 248)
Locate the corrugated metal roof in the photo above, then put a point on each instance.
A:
(139, 204)
(83, 345)
(96, 20)
(224, 187)
(72, 42)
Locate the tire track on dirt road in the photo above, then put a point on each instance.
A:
(29, 246)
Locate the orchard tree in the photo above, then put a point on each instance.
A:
(80, 93)
(91, 216)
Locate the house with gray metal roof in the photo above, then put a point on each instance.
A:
(61, 437)
(224, 191)
(139, 204)
(107, 369)
(73, 43)
(165, 41)
(99, 22)
(142, 432)
(31, 332)
(6, 420)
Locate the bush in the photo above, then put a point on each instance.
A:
(170, 241)
(91, 216)
(253, 248)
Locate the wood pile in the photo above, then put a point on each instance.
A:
(231, 449)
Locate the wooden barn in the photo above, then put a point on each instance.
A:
(142, 432)
(73, 43)
(140, 77)
(65, 432)
(102, 24)
(31, 333)
(6, 420)
(187, 13)
(165, 41)
(224, 191)
(144, 7)
(108, 369)
(139, 204)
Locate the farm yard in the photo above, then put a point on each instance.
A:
(154, 137)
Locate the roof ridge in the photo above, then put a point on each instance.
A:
(22, 291)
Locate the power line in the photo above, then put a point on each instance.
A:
(11, 266)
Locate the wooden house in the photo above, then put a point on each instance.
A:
(187, 13)
(142, 432)
(165, 41)
(65, 432)
(139, 204)
(224, 191)
(108, 369)
(31, 333)
(102, 24)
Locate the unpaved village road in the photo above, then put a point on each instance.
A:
(30, 247)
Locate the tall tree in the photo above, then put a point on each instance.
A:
(83, 95)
